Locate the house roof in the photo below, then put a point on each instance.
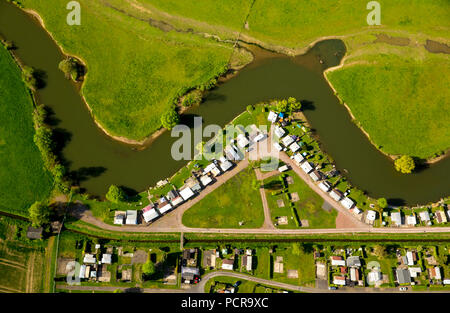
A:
(150, 215)
(34, 233)
(226, 165)
(186, 193)
(336, 194)
(347, 203)
(205, 180)
(325, 186)
(306, 167)
(298, 158)
(287, 140)
(403, 276)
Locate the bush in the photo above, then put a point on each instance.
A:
(192, 98)
(170, 119)
(29, 77)
(405, 164)
(115, 194)
(39, 214)
(71, 68)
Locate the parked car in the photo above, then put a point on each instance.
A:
(236, 284)
(332, 288)
(403, 288)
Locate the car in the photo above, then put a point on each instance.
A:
(236, 284)
(403, 288)
(332, 288)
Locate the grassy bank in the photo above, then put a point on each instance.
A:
(236, 200)
(398, 100)
(135, 71)
(23, 178)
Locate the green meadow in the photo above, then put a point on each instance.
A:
(23, 178)
(134, 71)
(236, 200)
(401, 101)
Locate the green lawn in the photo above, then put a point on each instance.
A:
(309, 207)
(296, 23)
(401, 101)
(234, 201)
(23, 179)
(135, 71)
(303, 263)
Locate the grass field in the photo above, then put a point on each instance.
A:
(296, 23)
(309, 206)
(23, 179)
(21, 264)
(234, 201)
(401, 101)
(135, 71)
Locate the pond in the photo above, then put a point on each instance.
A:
(100, 161)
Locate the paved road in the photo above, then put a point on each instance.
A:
(112, 289)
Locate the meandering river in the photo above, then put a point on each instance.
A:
(100, 161)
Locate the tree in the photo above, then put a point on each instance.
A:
(39, 214)
(70, 67)
(282, 105)
(294, 104)
(380, 251)
(170, 119)
(115, 194)
(382, 203)
(148, 269)
(405, 164)
(29, 77)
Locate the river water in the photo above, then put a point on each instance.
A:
(100, 161)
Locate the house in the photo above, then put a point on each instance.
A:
(315, 175)
(82, 273)
(374, 277)
(283, 168)
(325, 186)
(164, 206)
(403, 276)
(410, 258)
(339, 280)
(294, 147)
(205, 180)
(34, 233)
(414, 271)
(119, 217)
(106, 258)
(242, 141)
(354, 274)
(193, 183)
(176, 201)
(279, 132)
(298, 158)
(396, 218)
(441, 217)
(424, 216)
(209, 259)
(306, 167)
(227, 264)
(149, 213)
(277, 146)
(272, 117)
(336, 194)
(435, 273)
(225, 165)
(287, 140)
(411, 220)
(189, 257)
(278, 265)
(189, 274)
(247, 262)
(186, 193)
(231, 153)
(353, 261)
(347, 203)
(89, 259)
(337, 261)
(371, 215)
(212, 168)
(131, 217)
